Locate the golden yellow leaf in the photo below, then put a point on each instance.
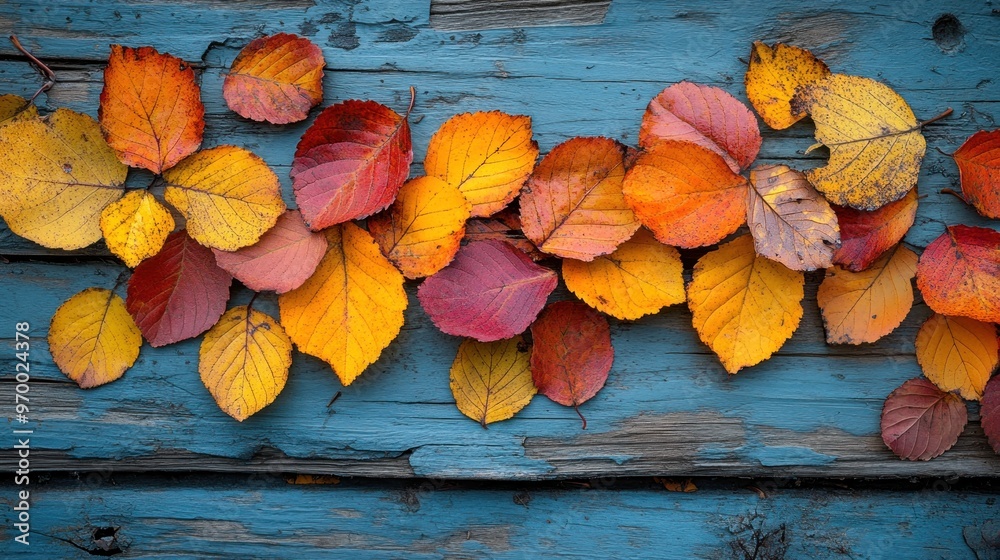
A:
(351, 308)
(58, 174)
(135, 226)
(875, 142)
(229, 196)
(491, 381)
(15, 107)
(744, 306)
(488, 156)
(773, 75)
(244, 361)
(639, 278)
(864, 306)
(93, 339)
(958, 353)
(422, 230)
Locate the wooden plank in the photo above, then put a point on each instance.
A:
(669, 408)
(262, 517)
(462, 15)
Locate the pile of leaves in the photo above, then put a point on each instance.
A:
(614, 215)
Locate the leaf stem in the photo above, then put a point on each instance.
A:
(250, 304)
(944, 114)
(45, 71)
(576, 407)
(413, 99)
(954, 193)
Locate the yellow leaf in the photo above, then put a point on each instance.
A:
(773, 76)
(491, 381)
(136, 226)
(93, 339)
(58, 174)
(351, 308)
(488, 156)
(958, 354)
(744, 306)
(676, 484)
(229, 196)
(244, 361)
(422, 230)
(874, 140)
(865, 306)
(14, 107)
(639, 278)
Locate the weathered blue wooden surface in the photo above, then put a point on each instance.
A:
(669, 407)
(265, 518)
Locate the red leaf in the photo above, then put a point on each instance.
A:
(479, 229)
(179, 293)
(864, 235)
(920, 421)
(990, 413)
(491, 291)
(704, 115)
(978, 161)
(350, 163)
(957, 273)
(571, 353)
(284, 258)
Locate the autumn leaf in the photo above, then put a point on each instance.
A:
(639, 278)
(491, 291)
(864, 306)
(275, 79)
(572, 205)
(685, 194)
(571, 353)
(58, 174)
(244, 361)
(136, 226)
(488, 156)
(744, 306)
(179, 293)
(14, 107)
(350, 163)
(351, 308)
(990, 413)
(93, 339)
(773, 75)
(284, 258)
(481, 229)
(958, 354)
(229, 196)
(978, 161)
(865, 236)
(704, 115)
(920, 421)
(151, 110)
(875, 142)
(790, 222)
(422, 230)
(957, 273)
(491, 381)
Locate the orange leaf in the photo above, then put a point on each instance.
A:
(958, 353)
(276, 79)
(573, 206)
(978, 162)
(151, 109)
(421, 232)
(744, 306)
(865, 306)
(481, 229)
(685, 194)
(773, 75)
(864, 236)
(488, 156)
(790, 222)
(957, 273)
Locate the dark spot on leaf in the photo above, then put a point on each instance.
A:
(948, 33)
(67, 168)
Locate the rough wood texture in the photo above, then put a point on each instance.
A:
(458, 15)
(263, 517)
(812, 410)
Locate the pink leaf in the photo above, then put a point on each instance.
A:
(491, 291)
(990, 413)
(179, 293)
(283, 259)
(920, 421)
